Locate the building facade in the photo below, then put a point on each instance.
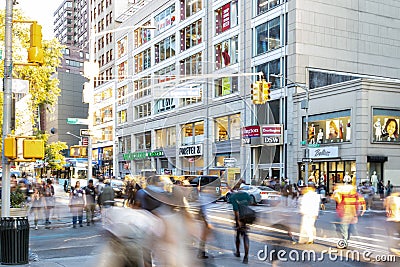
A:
(182, 92)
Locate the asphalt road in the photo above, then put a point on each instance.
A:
(91, 244)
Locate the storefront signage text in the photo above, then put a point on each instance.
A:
(324, 152)
(251, 131)
(143, 155)
(194, 150)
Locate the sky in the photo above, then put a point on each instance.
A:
(39, 10)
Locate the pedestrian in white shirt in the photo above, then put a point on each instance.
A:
(309, 209)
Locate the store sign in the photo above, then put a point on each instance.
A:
(272, 134)
(143, 155)
(251, 131)
(193, 150)
(230, 162)
(324, 152)
(226, 17)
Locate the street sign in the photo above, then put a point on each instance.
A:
(314, 145)
(306, 160)
(85, 141)
(84, 132)
(77, 121)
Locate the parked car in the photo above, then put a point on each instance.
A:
(269, 195)
(253, 191)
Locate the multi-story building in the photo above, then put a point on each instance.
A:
(338, 51)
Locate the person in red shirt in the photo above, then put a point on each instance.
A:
(349, 204)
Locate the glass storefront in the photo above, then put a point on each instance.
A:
(385, 125)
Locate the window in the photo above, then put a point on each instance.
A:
(142, 61)
(226, 53)
(122, 92)
(165, 49)
(106, 114)
(272, 67)
(193, 133)
(265, 5)
(143, 110)
(385, 125)
(165, 20)
(191, 65)
(268, 36)
(332, 127)
(142, 87)
(190, 7)
(122, 116)
(191, 35)
(227, 128)
(142, 35)
(226, 86)
(165, 74)
(226, 17)
(122, 70)
(166, 137)
(122, 46)
(143, 141)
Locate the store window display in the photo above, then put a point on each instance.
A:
(385, 125)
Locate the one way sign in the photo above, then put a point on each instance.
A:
(85, 132)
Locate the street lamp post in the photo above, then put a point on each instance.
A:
(305, 106)
(79, 137)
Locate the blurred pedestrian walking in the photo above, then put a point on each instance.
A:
(77, 202)
(309, 209)
(349, 204)
(38, 204)
(392, 205)
(48, 192)
(90, 192)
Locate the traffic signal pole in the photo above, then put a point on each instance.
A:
(7, 104)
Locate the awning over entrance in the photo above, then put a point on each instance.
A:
(379, 159)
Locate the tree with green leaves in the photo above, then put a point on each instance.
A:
(43, 84)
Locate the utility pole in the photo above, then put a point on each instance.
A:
(7, 98)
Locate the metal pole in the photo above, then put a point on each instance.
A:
(307, 150)
(7, 94)
(90, 116)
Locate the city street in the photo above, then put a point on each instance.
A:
(64, 246)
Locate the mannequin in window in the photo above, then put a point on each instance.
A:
(320, 136)
(226, 56)
(311, 134)
(348, 131)
(374, 181)
(347, 179)
(341, 130)
(378, 130)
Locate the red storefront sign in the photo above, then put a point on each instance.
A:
(251, 131)
(226, 17)
(271, 130)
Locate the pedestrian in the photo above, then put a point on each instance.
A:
(107, 195)
(309, 209)
(241, 198)
(321, 190)
(90, 192)
(38, 204)
(65, 186)
(381, 189)
(48, 192)
(388, 188)
(348, 205)
(367, 191)
(392, 206)
(77, 202)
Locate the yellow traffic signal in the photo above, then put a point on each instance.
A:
(266, 91)
(256, 93)
(35, 51)
(10, 147)
(33, 149)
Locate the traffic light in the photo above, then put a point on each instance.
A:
(266, 91)
(10, 147)
(35, 51)
(33, 149)
(256, 93)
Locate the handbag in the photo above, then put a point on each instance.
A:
(246, 214)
